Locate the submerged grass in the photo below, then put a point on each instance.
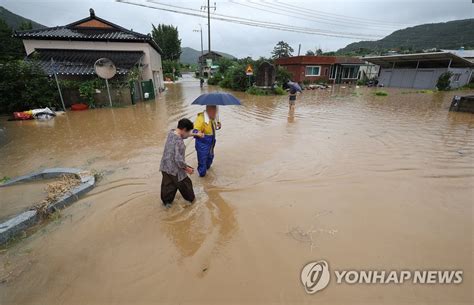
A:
(256, 91)
(419, 91)
(261, 92)
(380, 93)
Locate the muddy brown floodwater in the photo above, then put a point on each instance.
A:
(364, 182)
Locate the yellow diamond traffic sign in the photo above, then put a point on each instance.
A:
(249, 70)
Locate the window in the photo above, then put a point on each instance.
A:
(312, 70)
(456, 77)
(349, 72)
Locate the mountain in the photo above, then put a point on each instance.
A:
(191, 56)
(14, 21)
(444, 35)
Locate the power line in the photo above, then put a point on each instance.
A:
(321, 13)
(320, 17)
(250, 22)
(295, 15)
(358, 35)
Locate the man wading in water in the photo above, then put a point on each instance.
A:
(292, 99)
(173, 165)
(206, 124)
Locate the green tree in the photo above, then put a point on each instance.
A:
(235, 78)
(10, 47)
(224, 64)
(25, 25)
(23, 86)
(282, 49)
(171, 69)
(167, 37)
(282, 75)
(444, 81)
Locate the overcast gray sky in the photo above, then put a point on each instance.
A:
(366, 17)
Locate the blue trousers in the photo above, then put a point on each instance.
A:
(205, 153)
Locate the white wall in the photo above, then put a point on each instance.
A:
(151, 61)
(464, 77)
(369, 70)
(421, 79)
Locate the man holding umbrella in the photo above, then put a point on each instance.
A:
(294, 88)
(207, 123)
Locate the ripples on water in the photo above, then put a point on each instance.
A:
(340, 132)
(341, 143)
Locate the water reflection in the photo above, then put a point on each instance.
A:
(389, 169)
(210, 220)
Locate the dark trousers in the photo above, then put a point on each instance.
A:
(169, 186)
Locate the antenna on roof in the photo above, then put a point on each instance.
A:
(91, 11)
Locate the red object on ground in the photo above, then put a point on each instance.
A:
(79, 107)
(22, 116)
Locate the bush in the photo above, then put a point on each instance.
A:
(468, 86)
(381, 93)
(224, 64)
(444, 81)
(215, 79)
(87, 90)
(256, 91)
(169, 65)
(24, 86)
(282, 75)
(279, 90)
(169, 76)
(235, 78)
(226, 82)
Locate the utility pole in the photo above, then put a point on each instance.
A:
(202, 51)
(209, 26)
(208, 7)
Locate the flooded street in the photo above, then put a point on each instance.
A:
(362, 181)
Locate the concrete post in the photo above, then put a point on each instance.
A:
(391, 74)
(416, 72)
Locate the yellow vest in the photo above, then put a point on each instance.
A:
(201, 125)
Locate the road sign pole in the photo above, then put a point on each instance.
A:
(108, 91)
(59, 90)
(249, 73)
(57, 83)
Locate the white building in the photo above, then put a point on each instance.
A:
(75, 47)
(422, 70)
(368, 71)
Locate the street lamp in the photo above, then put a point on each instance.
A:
(202, 51)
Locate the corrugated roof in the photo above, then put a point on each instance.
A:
(81, 62)
(469, 54)
(431, 56)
